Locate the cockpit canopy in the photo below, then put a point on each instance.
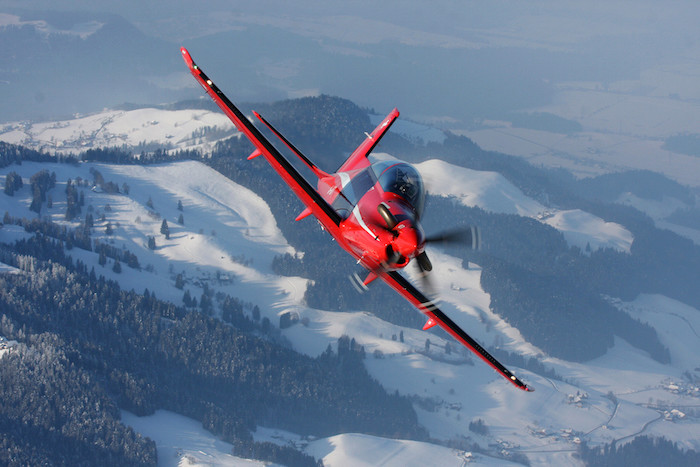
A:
(403, 180)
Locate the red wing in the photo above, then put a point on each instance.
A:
(358, 159)
(308, 195)
(420, 301)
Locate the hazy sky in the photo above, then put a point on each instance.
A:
(534, 22)
(433, 57)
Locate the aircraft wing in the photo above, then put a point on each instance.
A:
(437, 317)
(301, 187)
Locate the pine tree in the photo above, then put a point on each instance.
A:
(9, 186)
(13, 182)
(36, 200)
(164, 229)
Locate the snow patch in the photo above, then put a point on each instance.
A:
(676, 324)
(364, 450)
(474, 188)
(589, 232)
(7, 269)
(182, 441)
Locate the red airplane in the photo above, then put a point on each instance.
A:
(370, 209)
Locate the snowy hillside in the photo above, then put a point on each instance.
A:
(492, 192)
(134, 129)
(227, 241)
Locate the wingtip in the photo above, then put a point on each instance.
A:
(187, 58)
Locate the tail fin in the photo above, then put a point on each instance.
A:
(358, 159)
(318, 172)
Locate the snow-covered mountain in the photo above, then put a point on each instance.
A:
(227, 241)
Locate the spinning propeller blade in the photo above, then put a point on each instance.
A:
(469, 236)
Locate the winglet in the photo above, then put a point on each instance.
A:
(187, 57)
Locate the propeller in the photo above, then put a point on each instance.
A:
(465, 236)
(469, 236)
(423, 262)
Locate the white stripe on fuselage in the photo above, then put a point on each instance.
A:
(356, 213)
(344, 179)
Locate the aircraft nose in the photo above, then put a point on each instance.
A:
(409, 239)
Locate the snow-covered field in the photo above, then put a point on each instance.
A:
(228, 240)
(173, 129)
(492, 192)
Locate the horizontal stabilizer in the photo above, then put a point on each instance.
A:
(255, 154)
(429, 324)
(305, 213)
(358, 159)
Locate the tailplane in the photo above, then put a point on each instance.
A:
(358, 159)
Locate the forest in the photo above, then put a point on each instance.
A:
(641, 451)
(132, 351)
